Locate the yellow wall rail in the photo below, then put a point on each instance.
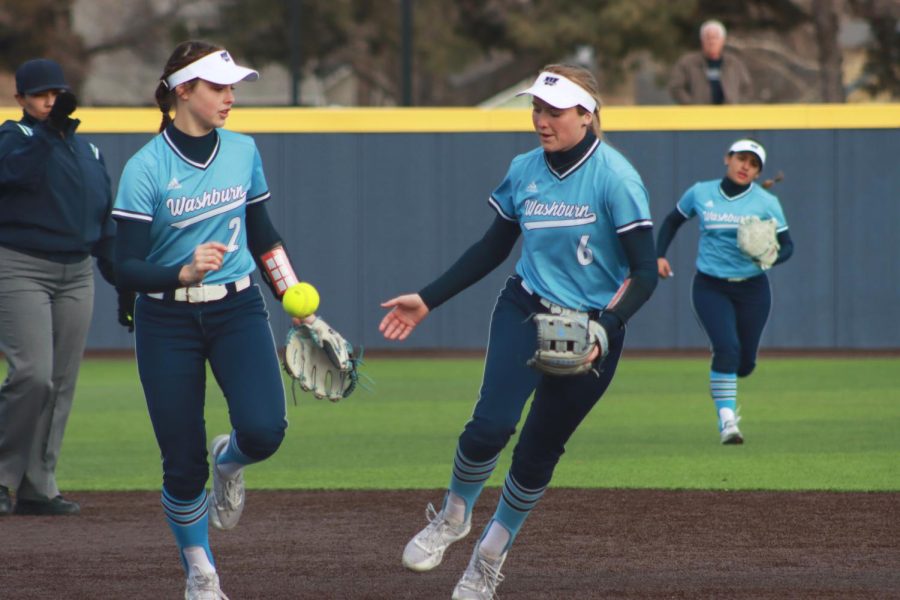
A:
(425, 120)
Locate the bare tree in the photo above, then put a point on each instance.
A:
(469, 50)
(40, 29)
(146, 27)
(882, 70)
(826, 16)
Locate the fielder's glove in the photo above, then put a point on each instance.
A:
(321, 360)
(64, 106)
(759, 240)
(565, 341)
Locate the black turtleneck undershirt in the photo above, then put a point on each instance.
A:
(496, 244)
(562, 161)
(197, 148)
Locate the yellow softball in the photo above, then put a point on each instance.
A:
(300, 300)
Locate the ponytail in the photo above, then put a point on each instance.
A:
(165, 100)
(770, 182)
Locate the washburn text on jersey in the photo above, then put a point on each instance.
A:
(183, 204)
(557, 209)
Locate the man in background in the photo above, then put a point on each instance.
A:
(714, 75)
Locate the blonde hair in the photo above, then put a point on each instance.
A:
(584, 79)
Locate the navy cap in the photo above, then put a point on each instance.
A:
(38, 75)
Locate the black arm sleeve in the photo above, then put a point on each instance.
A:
(642, 280)
(787, 247)
(133, 272)
(105, 251)
(667, 231)
(261, 234)
(107, 270)
(481, 258)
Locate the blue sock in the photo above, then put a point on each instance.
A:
(469, 477)
(515, 505)
(233, 454)
(189, 522)
(723, 389)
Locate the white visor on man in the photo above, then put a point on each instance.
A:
(218, 68)
(560, 92)
(750, 146)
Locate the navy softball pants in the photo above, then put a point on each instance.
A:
(174, 341)
(733, 314)
(559, 405)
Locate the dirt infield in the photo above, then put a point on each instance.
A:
(577, 544)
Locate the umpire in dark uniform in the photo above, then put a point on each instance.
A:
(55, 203)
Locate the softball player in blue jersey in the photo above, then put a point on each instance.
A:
(731, 295)
(583, 213)
(192, 224)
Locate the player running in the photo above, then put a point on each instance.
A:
(192, 222)
(731, 294)
(588, 245)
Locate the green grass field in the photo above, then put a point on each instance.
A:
(810, 424)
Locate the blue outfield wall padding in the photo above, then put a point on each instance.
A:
(367, 216)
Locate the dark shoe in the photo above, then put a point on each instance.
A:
(5, 502)
(53, 507)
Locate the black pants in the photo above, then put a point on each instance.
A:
(560, 403)
(733, 314)
(174, 342)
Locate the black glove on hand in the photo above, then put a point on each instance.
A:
(64, 106)
(126, 309)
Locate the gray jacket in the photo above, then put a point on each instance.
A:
(688, 83)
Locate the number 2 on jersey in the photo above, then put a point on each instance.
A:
(234, 224)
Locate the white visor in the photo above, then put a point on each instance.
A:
(750, 146)
(559, 92)
(218, 68)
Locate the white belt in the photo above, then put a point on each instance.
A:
(203, 293)
(554, 308)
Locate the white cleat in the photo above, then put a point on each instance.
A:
(729, 433)
(481, 578)
(226, 502)
(426, 550)
(203, 585)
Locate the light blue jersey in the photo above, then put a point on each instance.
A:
(189, 203)
(718, 254)
(571, 254)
